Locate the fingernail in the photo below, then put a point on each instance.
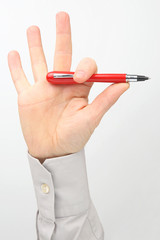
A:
(79, 74)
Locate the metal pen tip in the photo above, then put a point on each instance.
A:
(142, 78)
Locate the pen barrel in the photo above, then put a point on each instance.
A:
(68, 78)
(113, 78)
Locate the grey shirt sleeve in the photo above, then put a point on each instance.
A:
(65, 209)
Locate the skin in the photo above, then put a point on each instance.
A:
(57, 120)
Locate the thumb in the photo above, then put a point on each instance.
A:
(104, 101)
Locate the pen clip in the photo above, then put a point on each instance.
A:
(62, 75)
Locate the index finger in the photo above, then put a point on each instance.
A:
(63, 48)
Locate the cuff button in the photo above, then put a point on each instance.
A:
(45, 188)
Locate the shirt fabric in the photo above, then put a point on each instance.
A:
(65, 209)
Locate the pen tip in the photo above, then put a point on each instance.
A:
(142, 78)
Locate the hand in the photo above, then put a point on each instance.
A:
(57, 120)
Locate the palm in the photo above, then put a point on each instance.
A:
(53, 113)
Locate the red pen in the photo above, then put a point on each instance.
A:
(66, 77)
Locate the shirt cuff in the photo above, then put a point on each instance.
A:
(61, 185)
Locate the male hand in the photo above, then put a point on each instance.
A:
(57, 120)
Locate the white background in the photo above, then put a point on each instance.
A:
(123, 155)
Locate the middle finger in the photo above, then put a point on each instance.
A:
(63, 48)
